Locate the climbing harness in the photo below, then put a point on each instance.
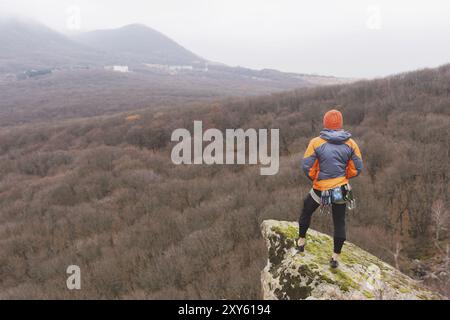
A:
(339, 195)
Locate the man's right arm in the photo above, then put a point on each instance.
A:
(309, 163)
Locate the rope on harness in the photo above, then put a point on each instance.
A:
(325, 209)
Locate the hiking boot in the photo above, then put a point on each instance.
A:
(334, 263)
(299, 247)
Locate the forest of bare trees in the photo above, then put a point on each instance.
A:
(103, 194)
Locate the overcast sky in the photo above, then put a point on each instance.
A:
(352, 38)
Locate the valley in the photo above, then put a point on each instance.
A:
(87, 179)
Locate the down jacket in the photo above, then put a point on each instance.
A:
(331, 159)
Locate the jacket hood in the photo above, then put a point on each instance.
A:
(335, 136)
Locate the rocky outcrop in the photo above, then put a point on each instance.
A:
(293, 275)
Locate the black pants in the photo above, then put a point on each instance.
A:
(338, 212)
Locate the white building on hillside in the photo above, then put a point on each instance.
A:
(117, 68)
(169, 69)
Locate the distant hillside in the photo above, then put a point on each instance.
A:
(45, 75)
(137, 43)
(26, 46)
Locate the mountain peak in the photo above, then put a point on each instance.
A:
(293, 275)
(138, 43)
(135, 26)
(27, 43)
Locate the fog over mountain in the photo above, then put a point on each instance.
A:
(352, 38)
(29, 44)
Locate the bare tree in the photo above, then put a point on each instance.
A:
(439, 215)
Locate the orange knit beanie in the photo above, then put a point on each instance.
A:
(333, 120)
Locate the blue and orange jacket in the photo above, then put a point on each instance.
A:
(331, 159)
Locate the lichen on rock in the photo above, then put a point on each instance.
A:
(290, 274)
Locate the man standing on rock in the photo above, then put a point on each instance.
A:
(330, 161)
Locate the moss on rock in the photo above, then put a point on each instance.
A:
(293, 275)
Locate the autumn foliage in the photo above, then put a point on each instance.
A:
(102, 193)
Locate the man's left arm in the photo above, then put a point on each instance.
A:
(355, 164)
